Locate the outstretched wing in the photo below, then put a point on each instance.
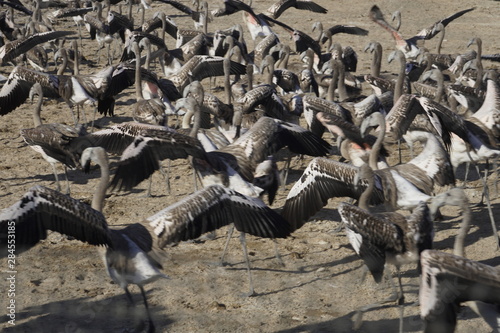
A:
(269, 135)
(42, 209)
(276, 9)
(431, 31)
(346, 29)
(324, 179)
(142, 157)
(214, 207)
(17, 88)
(20, 46)
(177, 5)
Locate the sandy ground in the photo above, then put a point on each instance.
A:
(62, 286)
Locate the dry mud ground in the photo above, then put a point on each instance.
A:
(62, 286)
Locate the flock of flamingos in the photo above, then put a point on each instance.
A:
(310, 100)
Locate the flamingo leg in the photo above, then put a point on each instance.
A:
(56, 176)
(151, 327)
(249, 270)
(229, 235)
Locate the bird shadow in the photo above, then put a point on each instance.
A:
(305, 269)
(480, 228)
(345, 324)
(85, 314)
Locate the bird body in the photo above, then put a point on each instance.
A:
(388, 237)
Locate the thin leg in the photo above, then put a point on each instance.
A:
(93, 119)
(486, 193)
(166, 174)
(467, 165)
(56, 176)
(284, 173)
(99, 53)
(485, 182)
(245, 253)
(229, 235)
(394, 294)
(67, 180)
(401, 301)
(109, 53)
(80, 35)
(195, 182)
(75, 118)
(495, 168)
(148, 192)
(129, 296)
(364, 273)
(151, 328)
(358, 316)
(277, 253)
(84, 117)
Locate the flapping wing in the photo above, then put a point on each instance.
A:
(20, 46)
(142, 157)
(214, 207)
(430, 32)
(42, 209)
(324, 179)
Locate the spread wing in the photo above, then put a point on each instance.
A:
(42, 209)
(324, 179)
(214, 207)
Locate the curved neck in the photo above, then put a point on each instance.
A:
(341, 81)
(440, 41)
(130, 4)
(64, 63)
(398, 89)
(99, 11)
(329, 40)
(229, 40)
(440, 85)
(286, 56)
(101, 158)
(333, 82)
(318, 26)
(374, 154)
(196, 121)
(163, 25)
(76, 61)
(143, 14)
(376, 60)
(270, 68)
(147, 46)
(310, 59)
(367, 193)
(37, 119)
(205, 19)
(458, 246)
(138, 83)
(36, 15)
(186, 120)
